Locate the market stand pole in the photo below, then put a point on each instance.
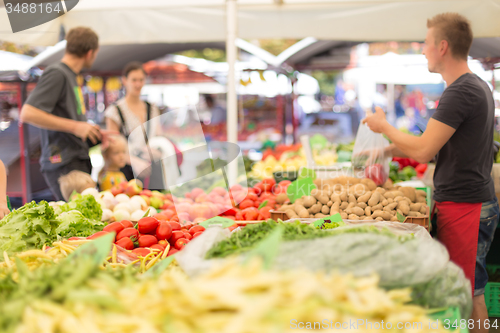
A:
(232, 103)
(24, 147)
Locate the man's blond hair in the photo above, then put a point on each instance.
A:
(75, 181)
(456, 30)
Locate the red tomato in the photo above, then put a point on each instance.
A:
(196, 234)
(252, 196)
(175, 225)
(250, 214)
(164, 231)
(231, 228)
(231, 212)
(74, 238)
(158, 247)
(163, 243)
(246, 203)
(172, 251)
(126, 224)
(131, 233)
(268, 184)
(147, 241)
(175, 236)
(259, 188)
(147, 225)
(140, 251)
(187, 235)
(126, 243)
(115, 226)
(239, 216)
(196, 228)
(98, 234)
(265, 212)
(181, 243)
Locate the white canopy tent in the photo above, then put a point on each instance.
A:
(157, 21)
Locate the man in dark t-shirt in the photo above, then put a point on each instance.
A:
(57, 107)
(460, 134)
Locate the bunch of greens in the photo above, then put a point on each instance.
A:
(75, 224)
(36, 224)
(85, 204)
(67, 281)
(30, 226)
(247, 238)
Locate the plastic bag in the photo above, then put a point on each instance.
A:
(369, 155)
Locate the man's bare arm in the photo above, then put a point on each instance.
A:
(45, 120)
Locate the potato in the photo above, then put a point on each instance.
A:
(423, 209)
(369, 183)
(374, 199)
(299, 202)
(341, 180)
(329, 203)
(421, 199)
(353, 217)
(358, 211)
(362, 205)
(368, 211)
(325, 209)
(344, 205)
(281, 198)
(377, 213)
(399, 198)
(309, 201)
(415, 207)
(299, 208)
(379, 219)
(323, 199)
(311, 216)
(365, 197)
(304, 213)
(335, 197)
(343, 216)
(390, 207)
(291, 214)
(390, 200)
(343, 196)
(389, 195)
(414, 214)
(409, 192)
(367, 218)
(319, 215)
(397, 193)
(316, 208)
(335, 207)
(352, 199)
(318, 182)
(377, 207)
(358, 190)
(388, 184)
(404, 207)
(380, 190)
(384, 202)
(421, 193)
(394, 219)
(351, 204)
(386, 216)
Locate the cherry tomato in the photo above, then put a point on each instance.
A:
(131, 233)
(147, 240)
(163, 231)
(175, 236)
(175, 225)
(181, 243)
(158, 247)
(140, 251)
(197, 234)
(98, 234)
(163, 242)
(187, 235)
(195, 229)
(126, 243)
(127, 224)
(172, 251)
(147, 225)
(115, 226)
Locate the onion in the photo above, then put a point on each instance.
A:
(121, 215)
(106, 215)
(122, 206)
(122, 198)
(137, 215)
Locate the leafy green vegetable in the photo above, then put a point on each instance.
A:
(32, 225)
(247, 238)
(75, 224)
(85, 204)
